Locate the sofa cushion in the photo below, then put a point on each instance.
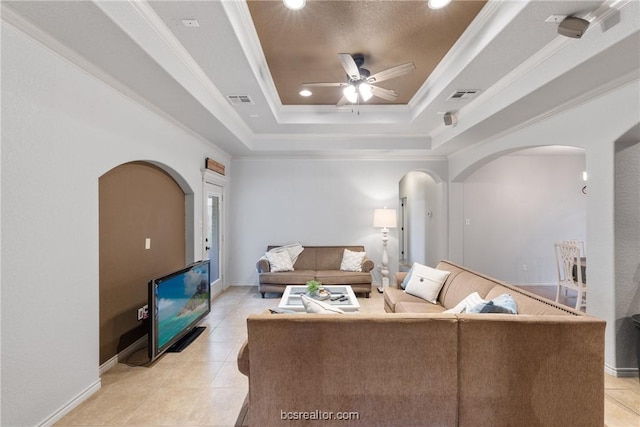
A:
(337, 277)
(418, 307)
(393, 296)
(297, 277)
(314, 306)
(464, 283)
(279, 261)
(351, 260)
(501, 304)
(426, 282)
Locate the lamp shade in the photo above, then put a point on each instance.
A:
(384, 218)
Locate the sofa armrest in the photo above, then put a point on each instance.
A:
(263, 266)
(243, 358)
(367, 264)
(399, 276)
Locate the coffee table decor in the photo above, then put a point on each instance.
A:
(315, 290)
(340, 296)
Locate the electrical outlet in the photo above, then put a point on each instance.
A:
(143, 312)
(524, 267)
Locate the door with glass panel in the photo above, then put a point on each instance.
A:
(213, 237)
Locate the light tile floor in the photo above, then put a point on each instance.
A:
(201, 386)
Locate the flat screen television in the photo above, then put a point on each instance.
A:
(177, 303)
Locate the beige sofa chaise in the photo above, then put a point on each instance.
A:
(321, 263)
(418, 367)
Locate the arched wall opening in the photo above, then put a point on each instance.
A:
(514, 205)
(145, 229)
(422, 219)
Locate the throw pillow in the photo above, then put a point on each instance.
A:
(426, 282)
(500, 304)
(279, 261)
(294, 250)
(314, 306)
(467, 304)
(406, 279)
(352, 261)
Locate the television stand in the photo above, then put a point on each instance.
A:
(184, 342)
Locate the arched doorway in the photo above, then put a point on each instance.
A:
(516, 205)
(422, 219)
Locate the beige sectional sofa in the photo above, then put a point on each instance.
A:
(321, 263)
(418, 366)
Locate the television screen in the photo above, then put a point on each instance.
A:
(178, 302)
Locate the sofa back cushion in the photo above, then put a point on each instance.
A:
(462, 284)
(324, 360)
(321, 257)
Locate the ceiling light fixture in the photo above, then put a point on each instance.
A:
(305, 92)
(294, 4)
(352, 91)
(351, 94)
(365, 91)
(438, 4)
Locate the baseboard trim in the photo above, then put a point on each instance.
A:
(533, 284)
(141, 342)
(73, 403)
(621, 372)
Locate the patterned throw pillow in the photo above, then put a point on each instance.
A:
(426, 282)
(500, 304)
(279, 261)
(352, 261)
(314, 306)
(467, 304)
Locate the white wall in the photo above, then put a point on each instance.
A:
(61, 130)
(315, 202)
(518, 206)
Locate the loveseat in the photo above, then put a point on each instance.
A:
(418, 366)
(321, 263)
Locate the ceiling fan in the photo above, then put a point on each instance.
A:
(360, 82)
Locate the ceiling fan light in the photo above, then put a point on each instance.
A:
(365, 91)
(351, 94)
(294, 4)
(438, 4)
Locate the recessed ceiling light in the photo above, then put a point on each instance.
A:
(305, 92)
(294, 4)
(438, 4)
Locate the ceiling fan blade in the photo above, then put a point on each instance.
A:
(343, 101)
(393, 72)
(349, 66)
(388, 94)
(324, 84)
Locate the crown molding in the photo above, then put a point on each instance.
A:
(27, 29)
(142, 24)
(488, 24)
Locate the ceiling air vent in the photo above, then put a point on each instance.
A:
(239, 99)
(463, 94)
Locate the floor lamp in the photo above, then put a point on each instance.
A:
(384, 219)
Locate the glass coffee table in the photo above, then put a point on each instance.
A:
(291, 298)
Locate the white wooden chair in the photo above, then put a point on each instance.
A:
(568, 261)
(578, 243)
